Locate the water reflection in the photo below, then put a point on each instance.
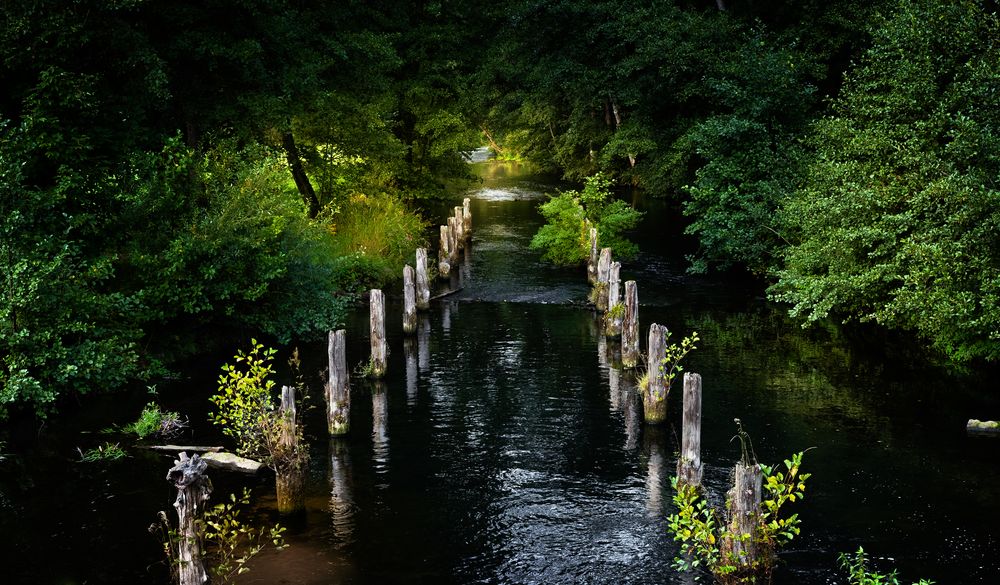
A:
(380, 436)
(653, 439)
(342, 508)
(632, 405)
(424, 342)
(410, 352)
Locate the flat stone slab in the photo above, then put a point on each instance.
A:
(184, 448)
(983, 427)
(230, 462)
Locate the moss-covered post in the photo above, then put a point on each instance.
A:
(654, 396)
(193, 490)
(377, 333)
(338, 388)
(616, 310)
(289, 476)
(603, 278)
(409, 301)
(739, 542)
(444, 253)
(592, 255)
(422, 284)
(467, 218)
(630, 326)
(689, 467)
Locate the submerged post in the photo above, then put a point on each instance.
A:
(467, 218)
(616, 311)
(193, 490)
(338, 390)
(423, 288)
(444, 253)
(689, 464)
(377, 330)
(654, 395)
(603, 278)
(289, 475)
(409, 301)
(740, 541)
(592, 256)
(630, 326)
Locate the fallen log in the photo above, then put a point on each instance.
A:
(182, 448)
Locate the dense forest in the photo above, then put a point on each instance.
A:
(170, 169)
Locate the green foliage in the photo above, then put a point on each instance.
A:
(231, 543)
(105, 452)
(155, 422)
(377, 234)
(898, 218)
(670, 364)
(245, 401)
(564, 236)
(702, 534)
(856, 566)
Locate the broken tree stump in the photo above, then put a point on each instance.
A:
(616, 310)
(338, 388)
(409, 301)
(423, 289)
(689, 468)
(654, 396)
(444, 253)
(630, 326)
(377, 334)
(739, 544)
(603, 278)
(289, 475)
(193, 490)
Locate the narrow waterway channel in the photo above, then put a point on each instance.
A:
(503, 448)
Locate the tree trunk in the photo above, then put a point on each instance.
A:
(193, 490)
(299, 174)
(338, 412)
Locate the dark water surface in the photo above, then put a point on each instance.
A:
(503, 447)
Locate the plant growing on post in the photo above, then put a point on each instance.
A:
(248, 412)
(715, 540)
(670, 365)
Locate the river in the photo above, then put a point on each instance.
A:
(504, 448)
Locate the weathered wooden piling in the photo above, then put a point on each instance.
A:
(409, 300)
(193, 490)
(630, 326)
(615, 313)
(423, 288)
(467, 218)
(654, 396)
(338, 388)
(740, 542)
(377, 333)
(289, 479)
(689, 468)
(453, 242)
(603, 278)
(459, 227)
(444, 253)
(592, 256)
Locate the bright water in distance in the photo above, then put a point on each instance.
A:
(504, 447)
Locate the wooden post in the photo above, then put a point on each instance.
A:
(592, 257)
(613, 319)
(689, 467)
(377, 329)
(444, 253)
(193, 490)
(740, 544)
(338, 388)
(289, 479)
(654, 397)
(409, 301)
(453, 242)
(630, 326)
(423, 289)
(603, 278)
(459, 227)
(467, 218)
